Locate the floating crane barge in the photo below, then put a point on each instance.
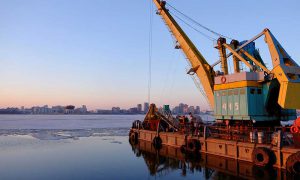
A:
(248, 105)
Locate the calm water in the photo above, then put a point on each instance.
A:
(97, 147)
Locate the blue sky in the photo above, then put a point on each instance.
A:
(95, 52)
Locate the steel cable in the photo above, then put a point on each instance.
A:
(150, 50)
(197, 23)
(189, 25)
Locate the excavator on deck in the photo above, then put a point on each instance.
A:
(257, 97)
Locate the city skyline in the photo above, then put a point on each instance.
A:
(115, 106)
(83, 109)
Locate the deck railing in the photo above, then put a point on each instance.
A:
(277, 136)
(261, 135)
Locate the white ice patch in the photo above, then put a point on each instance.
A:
(56, 134)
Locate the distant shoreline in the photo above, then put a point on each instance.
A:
(85, 114)
(68, 114)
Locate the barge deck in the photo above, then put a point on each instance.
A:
(170, 157)
(234, 149)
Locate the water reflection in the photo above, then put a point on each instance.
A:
(105, 154)
(168, 159)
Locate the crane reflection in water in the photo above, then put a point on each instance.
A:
(163, 162)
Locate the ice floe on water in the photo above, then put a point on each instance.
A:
(56, 134)
(59, 127)
(116, 142)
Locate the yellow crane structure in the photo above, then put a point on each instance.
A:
(258, 96)
(251, 101)
(199, 65)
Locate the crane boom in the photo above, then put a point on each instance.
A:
(256, 96)
(199, 65)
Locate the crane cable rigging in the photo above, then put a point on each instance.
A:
(189, 25)
(150, 49)
(197, 23)
(174, 14)
(197, 82)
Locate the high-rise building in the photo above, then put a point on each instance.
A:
(180, 109)
(175, 110)
(133, 110)
(146, 107)
(58, 109)
(191, 109)
(41, 110)
(84, 109)
(185, 109)
(116, 110)
(139, 108)
(197, 110)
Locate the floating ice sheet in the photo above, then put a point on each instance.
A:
(58, 134)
